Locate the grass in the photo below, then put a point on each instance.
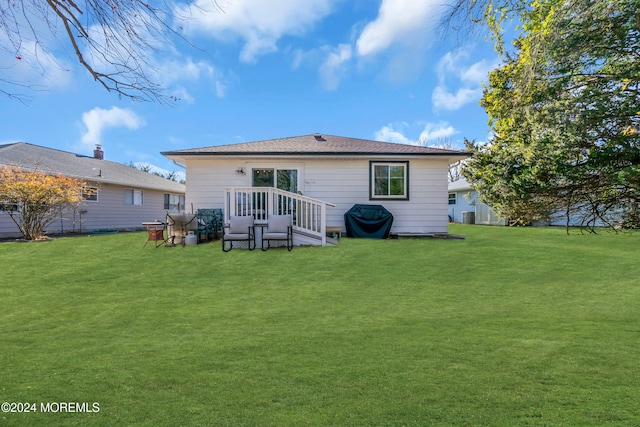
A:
(507, 327)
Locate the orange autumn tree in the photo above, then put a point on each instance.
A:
(34, 199)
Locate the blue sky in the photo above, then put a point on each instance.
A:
(357, 68)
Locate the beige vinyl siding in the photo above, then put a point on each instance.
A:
(465, 202)
(346, 183)
(7, 226)
(207, 179)
(109, 212)
(343, 182)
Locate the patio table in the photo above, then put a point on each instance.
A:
(155, 231)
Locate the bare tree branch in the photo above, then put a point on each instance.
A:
(116, 41)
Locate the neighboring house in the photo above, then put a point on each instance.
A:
(125, 197)
(463, 199)
(465, 207)
(318, 178)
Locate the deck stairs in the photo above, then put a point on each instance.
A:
(309, 214)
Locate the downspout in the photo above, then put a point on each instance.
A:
(180, 165)
(183, 166)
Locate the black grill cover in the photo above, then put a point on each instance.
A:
(372, 221)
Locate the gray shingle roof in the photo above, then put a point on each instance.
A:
(29, 156)
(460, 185)
(314, 144)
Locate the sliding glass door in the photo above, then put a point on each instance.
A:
(284, 179)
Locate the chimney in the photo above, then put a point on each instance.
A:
(98, 153)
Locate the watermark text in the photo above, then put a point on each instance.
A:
(52, 407)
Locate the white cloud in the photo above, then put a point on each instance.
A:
(162, 61)
(436, 132)
(450, 64)
(260, 24)
(332, 62)
(98, 120)
(389, 134)
(221, 89)
(35, 67)
(396, 133)
(36, 64)
(29, 46)
(311, 57)
(170, 73)
(443, 99)
(404, 22)
(334, 65)
(181, 94)
(469, 79)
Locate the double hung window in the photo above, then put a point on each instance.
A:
(174, 202)
(133, 197)
(389, 180)
(90, 194)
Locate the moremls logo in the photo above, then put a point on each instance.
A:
(69, 407)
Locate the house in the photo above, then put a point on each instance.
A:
(465, 206)
(318, 178)
(120, 197)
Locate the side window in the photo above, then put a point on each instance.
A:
(174, 202)
(389, 180)
(90, 194)
(9, 206)
(133, 197)
(452, 198)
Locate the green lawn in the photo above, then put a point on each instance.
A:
(509, 327)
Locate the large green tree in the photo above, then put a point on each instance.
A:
(565, 112)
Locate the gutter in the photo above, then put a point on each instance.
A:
(309, 153)
(178, 164)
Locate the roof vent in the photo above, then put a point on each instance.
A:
(98, 153)
(318, 137)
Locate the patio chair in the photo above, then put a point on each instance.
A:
(218, 219)
(278, 228)
(241, 229)
(205, 227)
(209, 222)
(179, 226)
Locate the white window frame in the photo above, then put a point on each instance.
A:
(250, 167)
(453, 199)
(172, 205)
(136, 199)
(89, 197)
(372, 186)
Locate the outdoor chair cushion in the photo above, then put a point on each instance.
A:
(236, 236)
(274, 236)
(278, 224)
(239, 225)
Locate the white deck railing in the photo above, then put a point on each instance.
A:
(309, 215)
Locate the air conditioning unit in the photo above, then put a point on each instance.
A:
(468, 217)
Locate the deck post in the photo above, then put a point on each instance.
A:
(323, 223)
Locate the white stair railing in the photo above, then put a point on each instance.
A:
(309, 215)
